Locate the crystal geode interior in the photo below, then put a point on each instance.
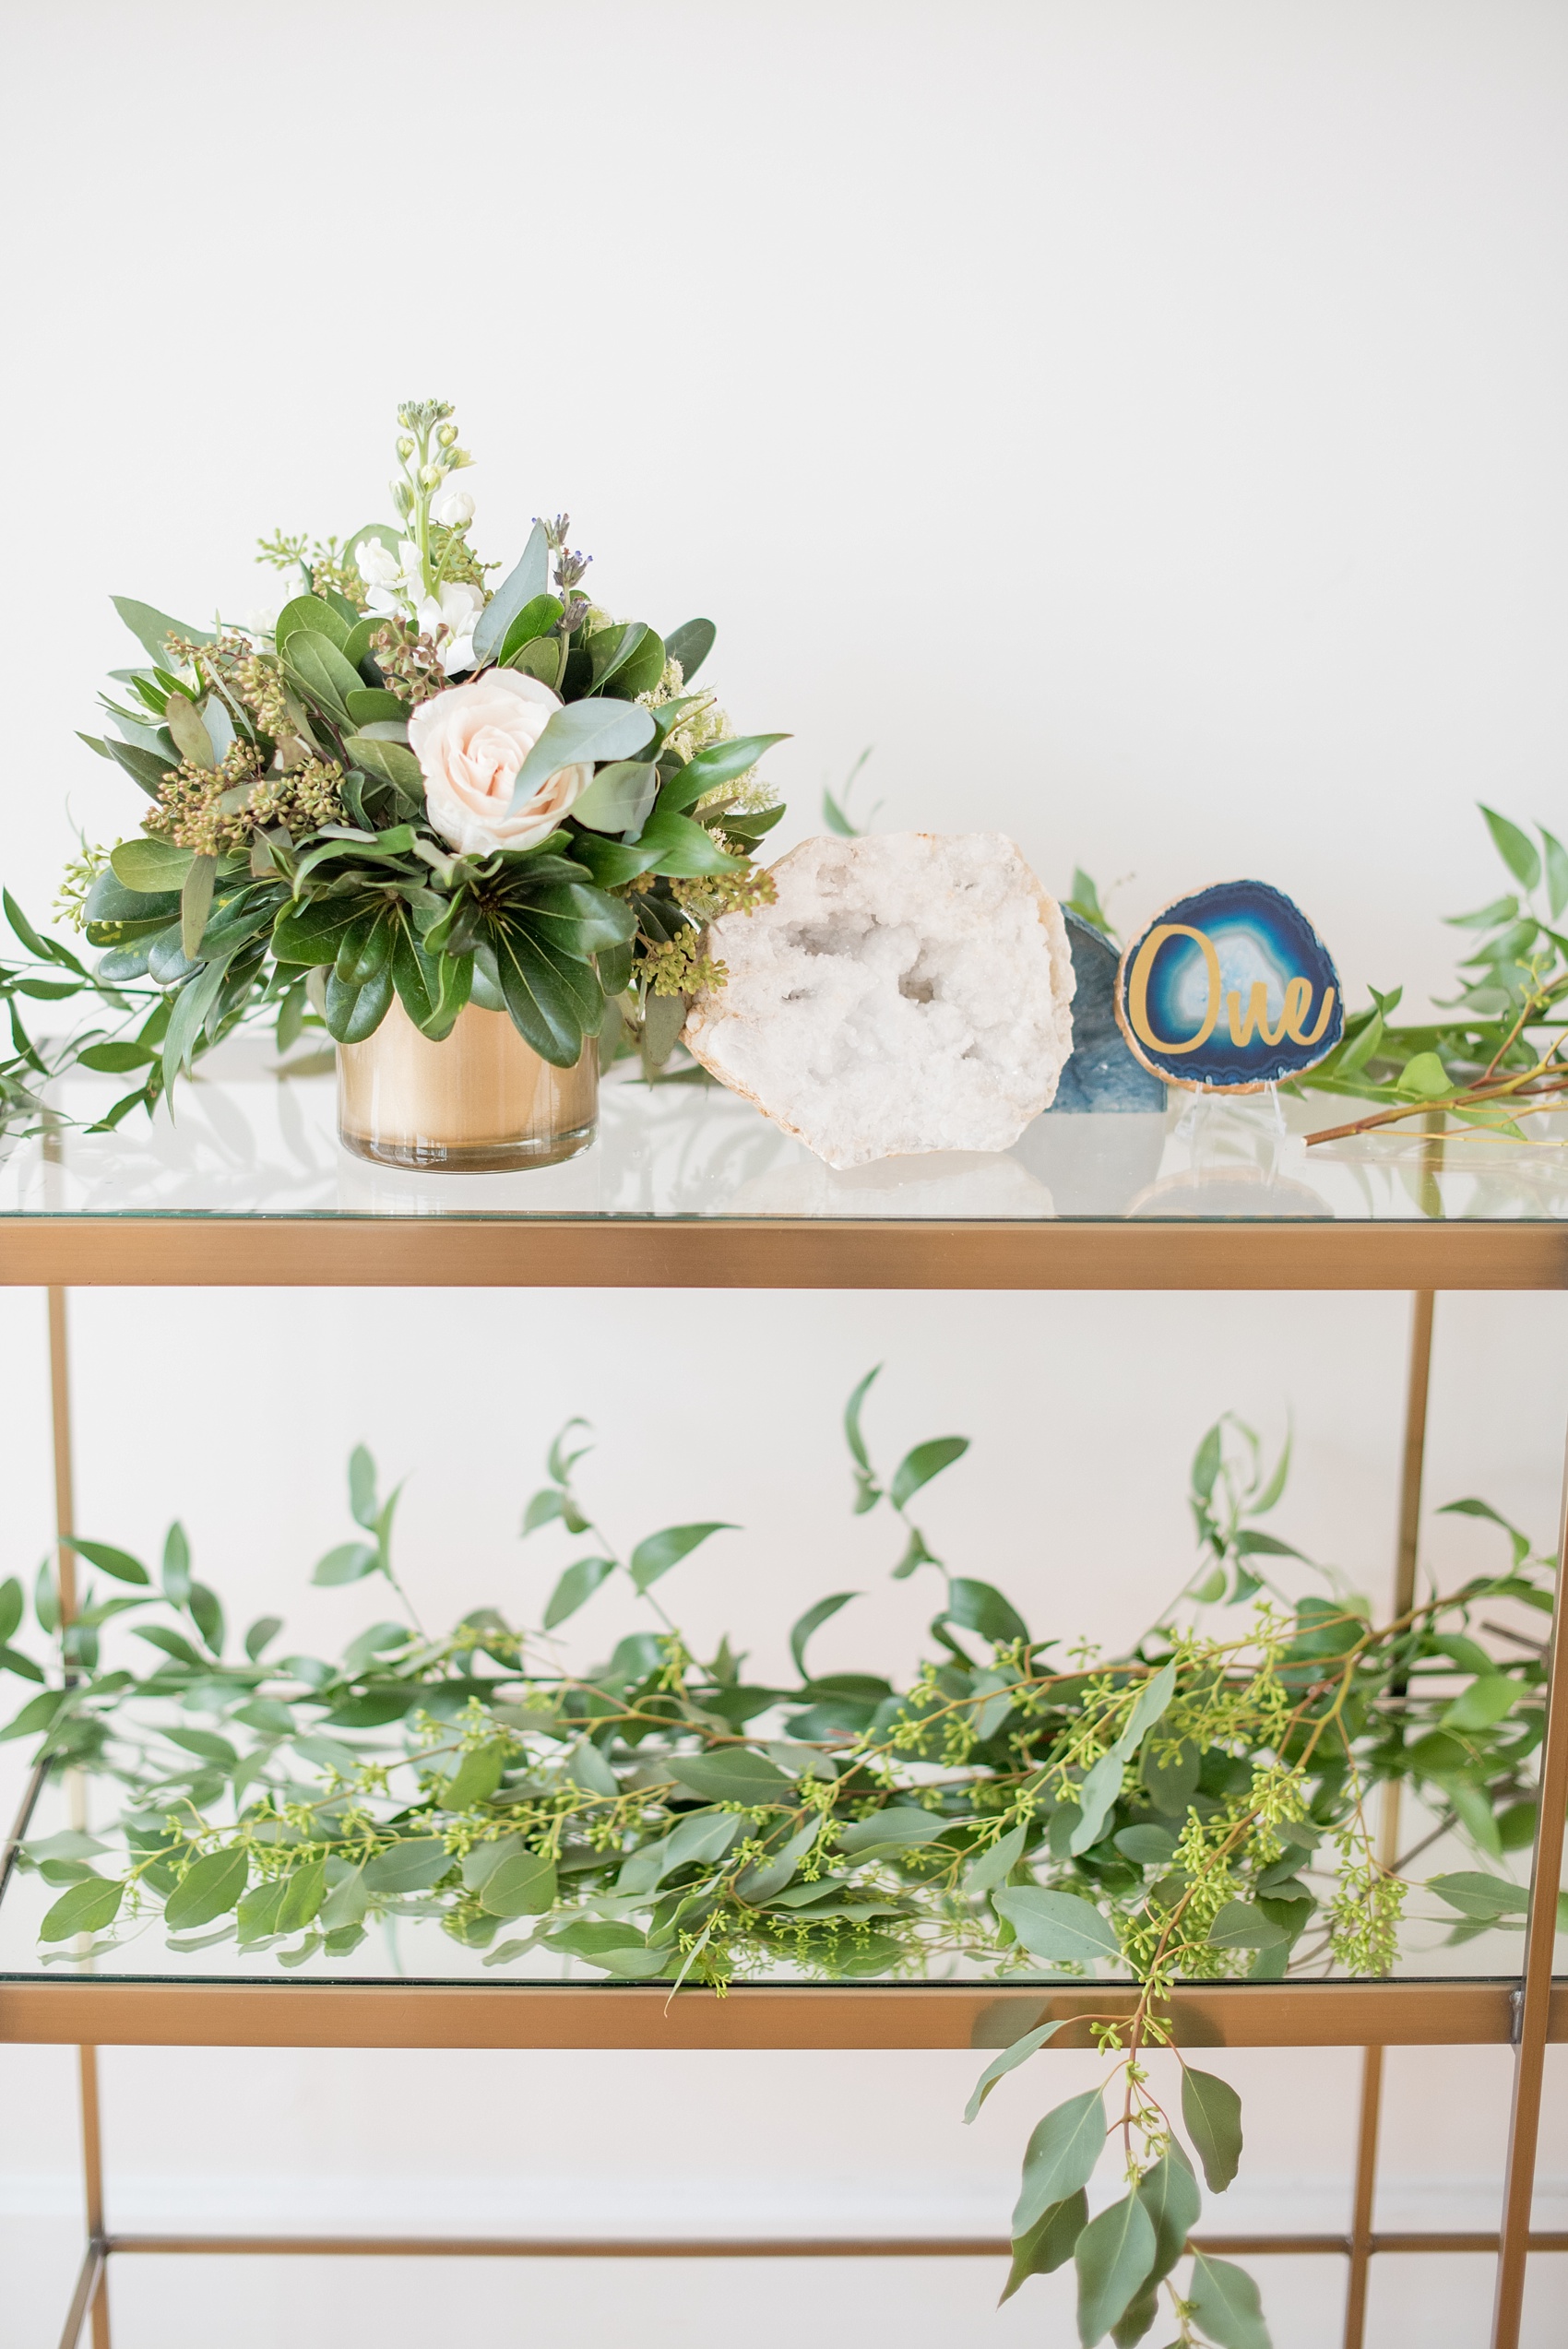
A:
(906, 991)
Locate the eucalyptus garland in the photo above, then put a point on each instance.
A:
(1195, 1809)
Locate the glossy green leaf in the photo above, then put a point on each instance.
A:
(313, 662)
(898, 1826)
(926, 1460)
(979, 1607)
(812, 1620)
(374, 706)
(1514, 848)
(690, 644)
(721, 763)
(993, 1866)
(531, 578)
(1478, 1895)
(118, 1562)
(315, 616)
(150, 867)
(680, 847)
(1170, 2193)
(350, 1562)
(655, 1555)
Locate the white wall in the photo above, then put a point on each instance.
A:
(1139, 422)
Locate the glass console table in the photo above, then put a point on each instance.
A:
(688, 1187)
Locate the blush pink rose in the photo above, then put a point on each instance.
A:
(469, 742)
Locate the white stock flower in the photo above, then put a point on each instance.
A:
(454, 509)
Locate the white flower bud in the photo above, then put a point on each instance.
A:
(453, 510)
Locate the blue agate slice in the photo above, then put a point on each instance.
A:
(1101, 1073)
(1229, 989)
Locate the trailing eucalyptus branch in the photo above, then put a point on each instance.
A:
(1195, 1808)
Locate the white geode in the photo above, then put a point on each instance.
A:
(908, 992)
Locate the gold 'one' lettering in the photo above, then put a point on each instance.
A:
(1142, 971)
(1297, 1003)
(1242, 1023)
(1294, 1011)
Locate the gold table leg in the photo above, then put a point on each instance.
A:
(94, 2277)
(1417, 1392)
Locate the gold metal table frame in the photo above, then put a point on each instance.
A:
(57, 1253)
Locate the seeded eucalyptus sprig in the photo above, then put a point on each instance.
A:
(1193, 1808)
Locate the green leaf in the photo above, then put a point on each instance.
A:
(13, 1607)
(1423, 1077)
(926, 1460)
(542, 1009)
(1483, 1704)
(412, 1865)
(1060, 2157)
(812, 1620)
(735, 1775)
(206, 1613)
(1050, 2243)
(518, 589)
(209, 1889)
(1114, 2254)
(679, 846)
(690, 644)
(1008, 2060)
(150, 868)
(390, 763)
(759, 1882)
(1225, 2304)
(994, 1867)
(578, 1582)
(655, 1555)
(1478, 1895)
(1148, 1847)
(191, 738)
(262, 1632)
(88, 1907)
(350, 1562)
(522, 1885)
(152, 628)
(1514, 848)
(1239, 1926)
(1170, 2193)
(1097, 1797)
(899, 1826)
(1556, 865)
(114, 1059)
(315, 617)
(619, 798)
(978, 1606)
(303, 1891)
(1206, 1461)
(315, 664)
(371, 706)
(577, 734)
(1057, 1926)
(118, 1562)
(475, 1779)
(146, 768)
(537, 618)
(1212, 2111)
(363, 1506)
(196, 904)
(721, 762)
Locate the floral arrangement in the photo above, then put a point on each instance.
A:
(399, 782)
(1193, 1808)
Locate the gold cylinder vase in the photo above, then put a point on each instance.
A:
(480, 1101)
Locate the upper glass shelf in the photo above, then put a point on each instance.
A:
(248, 1141)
